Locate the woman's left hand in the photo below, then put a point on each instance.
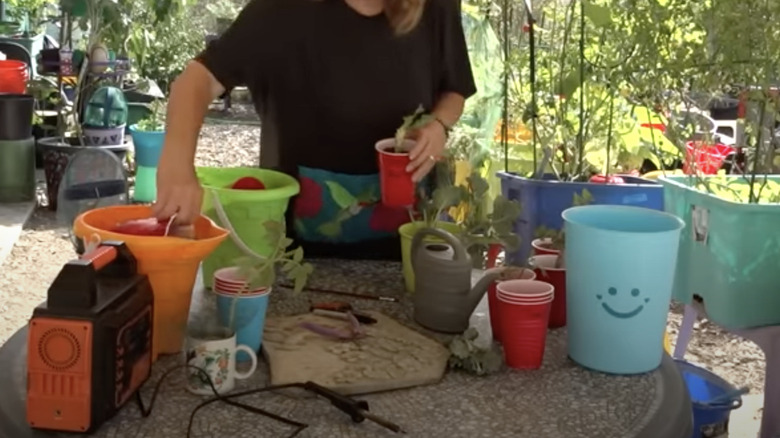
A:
(430, 141)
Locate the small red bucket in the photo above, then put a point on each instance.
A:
(524, 309)
(13, 76)
(495, 317)
(544, 266)
(395, 182)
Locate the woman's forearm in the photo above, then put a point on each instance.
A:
(449, 108)
(191, 94)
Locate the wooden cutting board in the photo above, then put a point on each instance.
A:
(391, 356)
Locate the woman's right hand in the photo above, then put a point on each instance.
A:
(178, 190)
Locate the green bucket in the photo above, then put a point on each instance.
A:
(245, 211)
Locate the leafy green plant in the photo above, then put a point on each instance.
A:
(557, 238)
(411, 122)
(262, 271)
(483, 225)
(155, 122)
(467, 356)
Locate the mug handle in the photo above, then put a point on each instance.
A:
(251, 353)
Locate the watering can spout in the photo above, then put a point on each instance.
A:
(479, 289)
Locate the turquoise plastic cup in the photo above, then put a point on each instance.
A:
(620, 267)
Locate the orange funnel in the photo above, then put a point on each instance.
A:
(170, 262)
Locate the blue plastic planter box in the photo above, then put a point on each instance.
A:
(543, 201)
(729, 255)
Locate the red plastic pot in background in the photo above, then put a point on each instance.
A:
(395, 182)
(607, 179)
(708, 158)
(13, 76)
(544, 267)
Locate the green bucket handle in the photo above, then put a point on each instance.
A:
(225, 222)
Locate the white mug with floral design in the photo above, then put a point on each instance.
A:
(216, 355)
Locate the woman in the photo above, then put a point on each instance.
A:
(329, 78)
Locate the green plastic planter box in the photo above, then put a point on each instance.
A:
(246, 210)
(729, 255)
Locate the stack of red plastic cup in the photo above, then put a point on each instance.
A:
(229, 281)
(524, 312)
(493, 305)
(546, 270)
(13, 76)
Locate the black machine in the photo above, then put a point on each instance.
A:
(90, 345)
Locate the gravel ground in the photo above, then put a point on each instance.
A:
(44, 247)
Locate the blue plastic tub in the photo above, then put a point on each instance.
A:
(709, 419)
(248, 319)
(544, 200)
(620, 265)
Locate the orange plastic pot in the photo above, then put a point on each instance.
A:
(171, 263)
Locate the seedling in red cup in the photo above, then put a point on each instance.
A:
(248, 183)
(396, 185)
(607, 179)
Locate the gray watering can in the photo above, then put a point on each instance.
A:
(443, 297)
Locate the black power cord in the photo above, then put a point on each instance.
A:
(146, 411)
(356, 409)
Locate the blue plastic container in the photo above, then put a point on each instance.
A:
(620, 265)
(248, 318)
(148, 148)
(543, 201)
(712, 398)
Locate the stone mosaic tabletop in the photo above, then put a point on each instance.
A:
(561, 400)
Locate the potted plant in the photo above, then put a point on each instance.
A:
(583, 130)
(148, 137)
(242, 290)
(396, 185)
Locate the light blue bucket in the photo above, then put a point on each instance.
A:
(620, 266)
(246, 315)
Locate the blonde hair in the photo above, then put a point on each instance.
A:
(404, 15)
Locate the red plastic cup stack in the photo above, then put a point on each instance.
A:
(395, 182)
(228, 281)
(13, 76)
(524, 309)
(543, 247)
(544, 266)
(493, 305)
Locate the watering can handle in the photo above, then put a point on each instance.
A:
(101, 257)
(457, 246)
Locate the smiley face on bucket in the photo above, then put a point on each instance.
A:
(631, 311)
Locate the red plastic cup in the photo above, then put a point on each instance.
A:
(544, 266)
(543, 246)
(524, 328)
(395, 182)
(527, 274)
(229, 280)
(13, 76)
(220, 290)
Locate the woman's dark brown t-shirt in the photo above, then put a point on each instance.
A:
(328, 83)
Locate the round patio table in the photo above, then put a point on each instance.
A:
(560, 400)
